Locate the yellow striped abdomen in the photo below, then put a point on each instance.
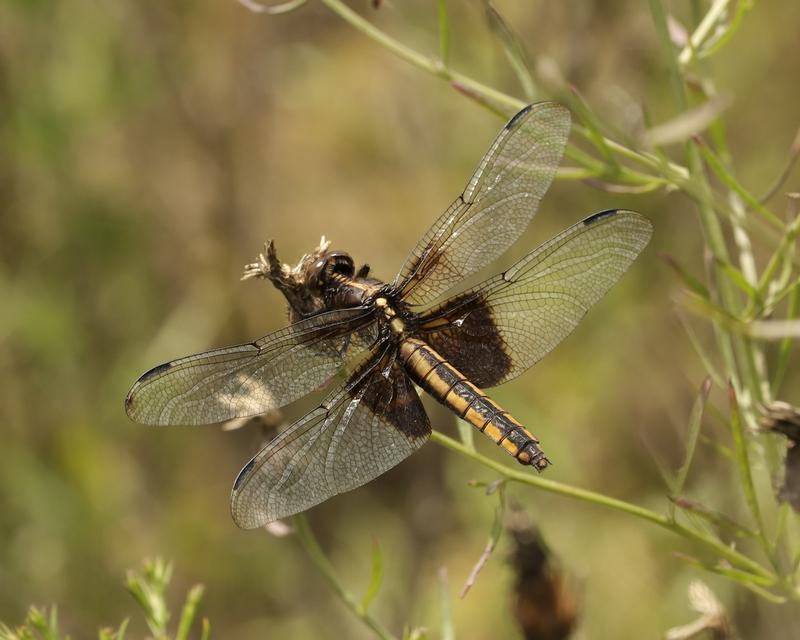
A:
(445, 383)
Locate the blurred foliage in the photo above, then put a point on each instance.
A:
(149, 591)
(148, 150)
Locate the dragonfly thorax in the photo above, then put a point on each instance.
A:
(396, 323)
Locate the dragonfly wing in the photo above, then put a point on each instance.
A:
(253, 378)
(499, 201)
(511, 321)
(364, 428)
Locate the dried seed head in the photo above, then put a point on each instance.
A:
(784, 419)
(292, 282)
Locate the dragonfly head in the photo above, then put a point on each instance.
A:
(328, 268)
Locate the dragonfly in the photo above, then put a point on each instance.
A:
(373, 344)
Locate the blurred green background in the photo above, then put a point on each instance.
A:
(150, 147)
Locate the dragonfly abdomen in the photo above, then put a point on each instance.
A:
(450, 387)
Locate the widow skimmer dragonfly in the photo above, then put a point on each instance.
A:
(378, 340)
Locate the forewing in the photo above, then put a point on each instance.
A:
(508, 323)
(363, 429)
(249, 379)
(494, 209)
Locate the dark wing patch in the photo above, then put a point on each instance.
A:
(252, 378)
(496, 206)
(468, 337)
(526, 311)
(364, 428)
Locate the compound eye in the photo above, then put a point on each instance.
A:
(343, 265)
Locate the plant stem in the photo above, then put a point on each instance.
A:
(676, 173)
(599, 499)
(703, 29)
(314, 551)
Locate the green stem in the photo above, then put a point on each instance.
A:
(314, 551)
(435, 67)
(734, 348)
(553, 486)
(703, 31)
(431, 65)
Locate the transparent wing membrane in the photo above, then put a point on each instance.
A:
(364, 428)
(499, 201)
(511, 321)
(249, 379)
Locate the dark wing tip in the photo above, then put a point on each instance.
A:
(636, 221)
(154, 372)
(518, 116)
(129, 405)
(130, 401)
(546, 106)
(243, 517)
(601, 215)
(243, 474)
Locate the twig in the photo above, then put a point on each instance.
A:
(315, 553)
(585, 495)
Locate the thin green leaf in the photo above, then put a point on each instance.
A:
(189, 612)
(722, 420)
(585, 115)
(737, 575)
(782, 256)
(205, 632)
(692, 282)
(466, 434)
(794, 153)
(743, 464)
(148, 590)
(784, 509)
(309, 542)
(119, 634)
(727, 178)
(668, 50)
(737, 277)
(722, 36)
(494, 536)
(700, 350)
(785, 347)
(711, 310)
(376, 577)
(764, 593)
(695, 420)
(515, 53)
(608, 187)
(701, 34)
(714, 517)
(46, 625)
(574, 173)
(448, 630)
(687, 124)
(664, 470)
(444, 32)
(584, 159)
